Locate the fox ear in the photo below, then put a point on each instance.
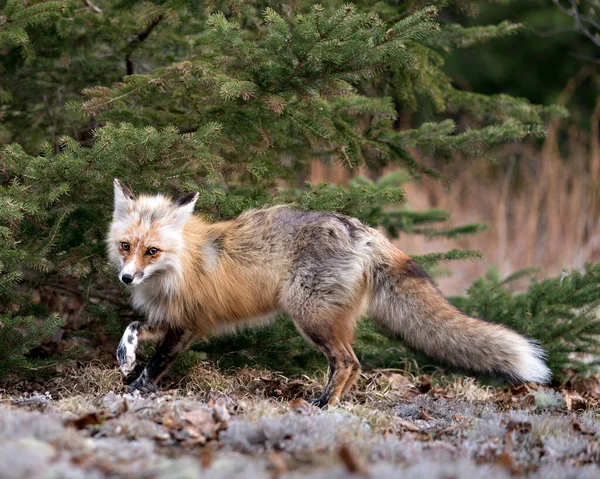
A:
(184, 207)
(124, 198)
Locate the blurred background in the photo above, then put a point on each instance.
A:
(540, 198)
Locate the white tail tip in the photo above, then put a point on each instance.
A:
(532, 366)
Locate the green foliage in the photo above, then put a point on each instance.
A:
(18, 336)
(20, 16)
(545, 35)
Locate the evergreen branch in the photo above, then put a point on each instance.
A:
(53, 7)
(463, 37)
(300, 64)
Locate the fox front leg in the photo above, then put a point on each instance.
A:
(175, 341)
(134, 333)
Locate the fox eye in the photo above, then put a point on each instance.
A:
(125, 246)
(151, 251)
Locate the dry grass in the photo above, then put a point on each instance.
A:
(541, 210)
(95, 379)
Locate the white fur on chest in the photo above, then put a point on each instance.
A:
(155, 297)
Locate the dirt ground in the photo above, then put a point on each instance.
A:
(254, 424)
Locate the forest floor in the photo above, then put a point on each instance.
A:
(252, 423)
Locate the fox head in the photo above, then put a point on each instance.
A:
(146, 233)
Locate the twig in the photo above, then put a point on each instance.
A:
(580, 20)
(94, 8)
(133, 44)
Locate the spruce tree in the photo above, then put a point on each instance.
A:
(235, 103)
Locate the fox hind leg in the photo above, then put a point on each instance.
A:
(354, 373)
(343, 371)
(334, 339)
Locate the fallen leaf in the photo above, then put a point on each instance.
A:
(200, 427)
(277, 462)
(170, 422)
(578, 427)
(522, 427)
(399, 382)
(409, 426)
(589, 385)
(574, 401)
(424, 385)
(352, 460)
(206, 459)
(220, 413)
(423, 414)
(506, 461)
(301, 406)
(91, 419)
(122, 408)
(200, 419)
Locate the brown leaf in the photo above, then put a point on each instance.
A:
(423, 414)
(351, 460)
(574, 401)
(220, 413)
(522, 427)
(91, 419)
(589, 385)
(424, 385)
(450, 429)
(520, 390)
(399, 382)
(301, 406)
(206, 459)
(201, 425)
(277, 462)
(122, 408)
(409, 426)
(506, 461)
(170, 422)
(578, 427)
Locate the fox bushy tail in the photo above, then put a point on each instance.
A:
(405, 301)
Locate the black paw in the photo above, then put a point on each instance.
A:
(143, 385)
(320, 402)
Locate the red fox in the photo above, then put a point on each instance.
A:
(193, 279)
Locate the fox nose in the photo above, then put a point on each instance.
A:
(127, 278)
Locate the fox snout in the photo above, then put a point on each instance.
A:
(130, 275)
(128, 278)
